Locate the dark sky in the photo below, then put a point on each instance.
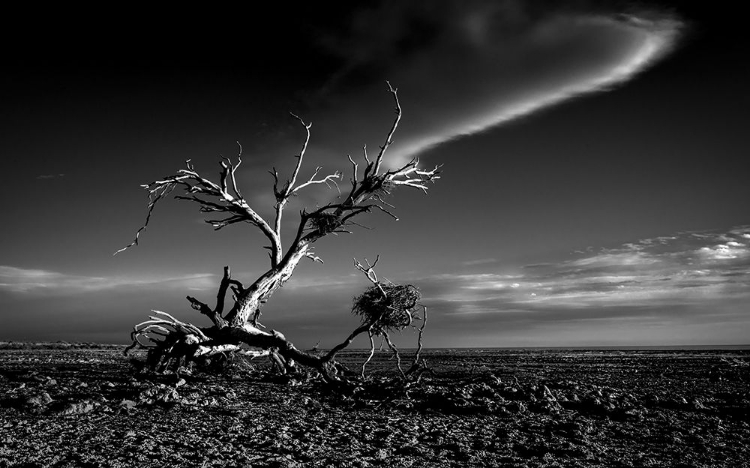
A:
(594, 155)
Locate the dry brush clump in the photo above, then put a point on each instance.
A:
(390, 306)
(386, 307)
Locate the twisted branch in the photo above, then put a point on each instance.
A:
(217, 199)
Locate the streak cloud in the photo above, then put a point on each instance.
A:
(478, 67)
(640, 44)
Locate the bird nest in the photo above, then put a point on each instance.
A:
(389, 312)
(325, 222)
(386, 187)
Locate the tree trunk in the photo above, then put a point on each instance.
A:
(251, 299)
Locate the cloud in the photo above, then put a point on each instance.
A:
(465, 67)
(481, 261)
(692, 270)
(615, 259)
(36, 282)
(726, 251)
(49, 176)
(326, 283)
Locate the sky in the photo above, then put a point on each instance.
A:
(594, 187)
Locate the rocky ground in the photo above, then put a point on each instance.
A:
(87, 407)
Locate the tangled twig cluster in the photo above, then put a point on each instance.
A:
(325, 222)
(389, 306)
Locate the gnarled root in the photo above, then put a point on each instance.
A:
(172, 344)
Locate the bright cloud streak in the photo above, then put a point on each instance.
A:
(649, 41)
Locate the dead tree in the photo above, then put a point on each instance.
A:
(238, 329)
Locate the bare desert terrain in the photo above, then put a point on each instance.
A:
(85, 406)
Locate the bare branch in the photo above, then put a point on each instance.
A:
(395, 352)
(222, 223)
(364, 153)
(415, 364)
(379, 199)
(192, 183)
(224, 174)
(329, 179)
(206, 206)
(293, 179)
(389, 139)
(165, 190)
(275, 175)
(354, 169)
(289, 189)
(369, 272)
(314, 257)
(372, 353)
(361, 329)
(162, 324)
(384, 210)
(234, 169)
(226, 281)
(218, 349)
(201, 307)
(359, 225)
(411, 176)
(204, 309)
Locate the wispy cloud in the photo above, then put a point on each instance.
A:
(480, 261)
(36, 282)
(301, 284)
(696, 269)
(471, 65)
(49, 176)
(635, 45)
